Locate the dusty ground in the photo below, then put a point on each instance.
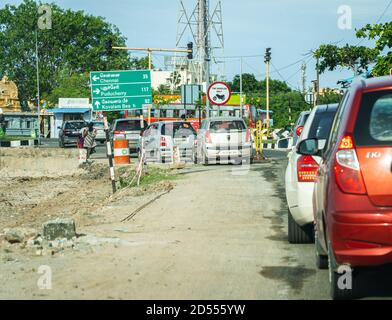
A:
(220, 233)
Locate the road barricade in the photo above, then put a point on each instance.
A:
(121, 152)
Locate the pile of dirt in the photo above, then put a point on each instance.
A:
(38, 162)
(30, 200)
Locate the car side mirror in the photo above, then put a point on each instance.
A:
(308, 147)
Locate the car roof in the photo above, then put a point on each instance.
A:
(127, 119)
(327, 107)
(373, 83)
(75, 121)
(173, 121)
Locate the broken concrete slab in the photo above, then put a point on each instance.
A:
(59, 228)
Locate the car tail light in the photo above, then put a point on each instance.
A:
(118, 132)
(307, 169)
(247, 135)
(163, 142)
(299, 129)
(208, 137)
(347, 171)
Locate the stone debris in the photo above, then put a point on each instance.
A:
(19, 235)
(59, 228)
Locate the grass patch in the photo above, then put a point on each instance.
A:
(15, 138)
(151, 176)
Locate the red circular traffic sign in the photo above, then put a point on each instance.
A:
(390, 71)
(219, 93)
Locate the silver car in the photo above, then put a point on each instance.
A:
(128, 129)
(100, 127)
(161, 139)
(223, 140)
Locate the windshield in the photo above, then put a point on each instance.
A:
(178, 129)
(225, 126)
(130, 125)
(98, 124)
(74, 125)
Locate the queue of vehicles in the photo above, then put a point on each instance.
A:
(339, 184)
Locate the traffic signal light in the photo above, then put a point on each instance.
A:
(109, 45)
(267, 57)
(190, 49)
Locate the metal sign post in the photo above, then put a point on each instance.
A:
(109, 154)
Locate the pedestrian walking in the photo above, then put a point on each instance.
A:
(89, 134)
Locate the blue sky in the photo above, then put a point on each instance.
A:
(290, 27)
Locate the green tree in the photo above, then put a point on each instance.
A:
(70, 85)
(76, 42)
(347, 57)
(382, 33)
(329, 96)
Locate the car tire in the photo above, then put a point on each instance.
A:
(321, 259)
(335, 292)
(299, 234)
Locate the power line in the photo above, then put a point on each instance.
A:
(378, 20)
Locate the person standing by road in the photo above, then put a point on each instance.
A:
(89, 134)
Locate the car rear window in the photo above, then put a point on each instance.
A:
(129, 125)
(374, 123)
(178, 129)
(224, 126)
(321, 125)
(303, 119)
(75, 125)
(98, 124)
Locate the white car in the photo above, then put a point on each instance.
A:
(301, 173)
(161, 138)
(100, 127)
(223, 140)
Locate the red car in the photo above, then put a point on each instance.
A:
(352, 199)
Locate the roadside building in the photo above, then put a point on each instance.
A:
(70, 109)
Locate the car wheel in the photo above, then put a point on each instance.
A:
(334, 279)
(297, 233)
(321, 259)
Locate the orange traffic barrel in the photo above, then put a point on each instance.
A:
(121, 152)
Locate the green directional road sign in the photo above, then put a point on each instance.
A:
(120, 90)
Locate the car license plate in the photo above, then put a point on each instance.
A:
(132, 136)
(180, 140)
(226, 153)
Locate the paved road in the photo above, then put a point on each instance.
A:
(221, 233)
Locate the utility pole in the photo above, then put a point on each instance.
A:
(241, 100)
(38, 91)
(267, 59)
(317, 86)
(303, 69)
(206, 34)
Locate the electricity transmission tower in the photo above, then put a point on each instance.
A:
(205, 28)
